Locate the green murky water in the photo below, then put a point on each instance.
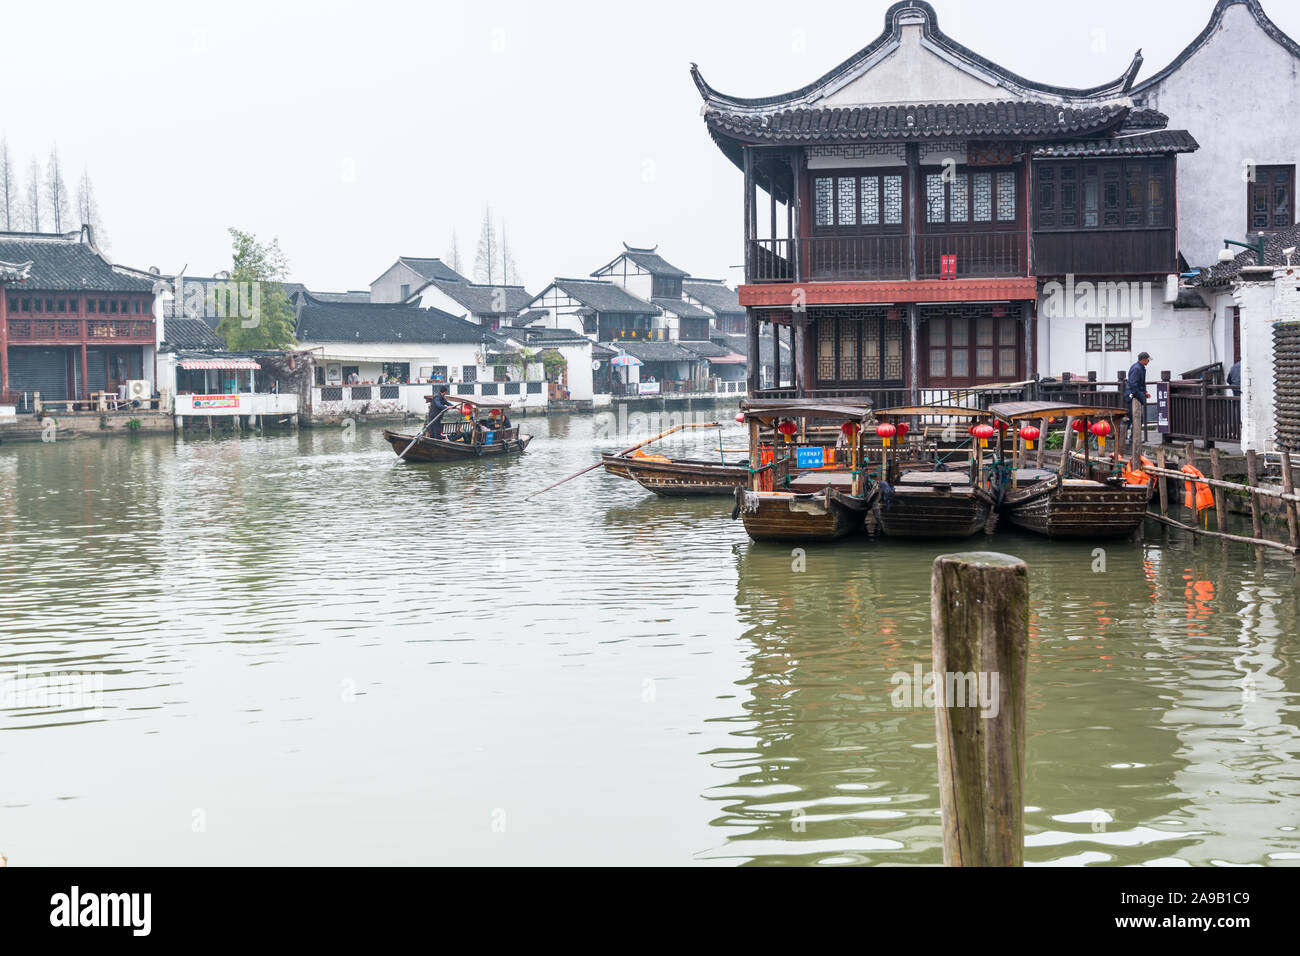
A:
(311, 654)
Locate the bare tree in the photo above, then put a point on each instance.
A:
(485, 259)
(88, 210)
(509, 272)
(56, 191)
(33, 210)
(8, 188)
(453, 253)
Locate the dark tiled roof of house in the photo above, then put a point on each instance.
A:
(715, 294)
(657, 351)
(681, 308)
(1139, 119)
(605, 296)
(482, 299)
(707, 349)
(1224, 272)
(652, 262)
(433, 269)
(1159, 142)
(380, 322)
(1004, 118)
(180, 333)
(62, 262)
(350, 296)
(551, 336)
(532, 315)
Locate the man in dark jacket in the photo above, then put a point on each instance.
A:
(436, 408)
(1135, 396)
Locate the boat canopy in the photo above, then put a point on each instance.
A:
(949, 411)
(471, 400)
(764, 409)
(1018, 411)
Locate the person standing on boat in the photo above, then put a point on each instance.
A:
(1135, 396)
(436, 409)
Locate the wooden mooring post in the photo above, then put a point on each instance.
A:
(979, 610)
(1288, 488)
(1252, 479)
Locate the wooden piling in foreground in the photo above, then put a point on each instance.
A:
(1252, 479)
(1164, 482)
(1220, 506)
(1288, 487)
(979, 609)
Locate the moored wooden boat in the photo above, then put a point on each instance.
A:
(801, 489)
(677, 477)
(1079, 499)
(934, 504)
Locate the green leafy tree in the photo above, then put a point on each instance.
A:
(264, 317)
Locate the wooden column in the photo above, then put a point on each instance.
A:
(798, 344)
(1027, 321)
(914, 351)
(749, 210)
(913, 184)
(755, 355)
(796, 217)
(85, 371)
(979, 611)
(4, 339)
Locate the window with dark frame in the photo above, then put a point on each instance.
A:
(857, 199)
(861, 345)
(1115, 338)
(1270, 202)
(975, 198)
(967, 347)
(1102, 194)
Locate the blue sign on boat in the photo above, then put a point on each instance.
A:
(809, 457)
(487, 437)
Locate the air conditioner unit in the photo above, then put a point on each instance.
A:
(138, 390)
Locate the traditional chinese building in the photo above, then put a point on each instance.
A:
(71, 323)
(904, 212)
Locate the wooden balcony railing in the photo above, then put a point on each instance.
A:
(887, 257)
(79, 330)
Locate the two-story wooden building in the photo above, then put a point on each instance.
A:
(71, 322)
(904, 212)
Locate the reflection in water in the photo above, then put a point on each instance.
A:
(335, 657)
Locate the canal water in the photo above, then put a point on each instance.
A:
(293, 649)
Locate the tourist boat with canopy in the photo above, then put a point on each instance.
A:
(1086, 495)
(478, 428)
(807, 473)
(929, 494)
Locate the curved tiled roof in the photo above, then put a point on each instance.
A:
(183, 333)
(605, 296)
(681, 308)
(715, 294)
(1159, 142)
(914, 11)
(64, 262)
(482, 299)
(996, 119)
(380, 322)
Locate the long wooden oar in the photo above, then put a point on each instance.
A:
(420, 433)
(625, 451)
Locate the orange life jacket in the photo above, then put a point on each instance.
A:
(1200, 497)
(1136, 476)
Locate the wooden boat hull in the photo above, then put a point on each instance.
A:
(1078, 509)
(785, 516)
(678, 479)
(923, 512)
(440, 449)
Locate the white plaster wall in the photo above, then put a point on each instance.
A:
(579, 370)
(388, 287)
(915, 73)
(1236, 96)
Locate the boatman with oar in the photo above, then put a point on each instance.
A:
(436, 407)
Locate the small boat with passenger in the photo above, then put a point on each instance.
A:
(471, 428)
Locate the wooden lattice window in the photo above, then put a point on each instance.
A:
(987, 199)
(1270, 198)
(859, 347)
(854, 201)
(968, 345)
(1103, 194)
(1110, 338)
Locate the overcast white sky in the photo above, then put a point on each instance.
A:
(357, 132)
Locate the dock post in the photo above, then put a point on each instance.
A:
(1252, 479)
(1216, 472)
(1067, 441)
(1288, 487)
(1163, 482)
(979, 611)
(1043, 425)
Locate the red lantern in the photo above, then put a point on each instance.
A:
(903, 429)
(1028, 434)
(983, 432)
(467, 411)
(850, 430)
(1002, 427)
(494, 413)
(886, 431)
(741, 418)
(1101, 430)
(787, 428)
(1079, 425)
